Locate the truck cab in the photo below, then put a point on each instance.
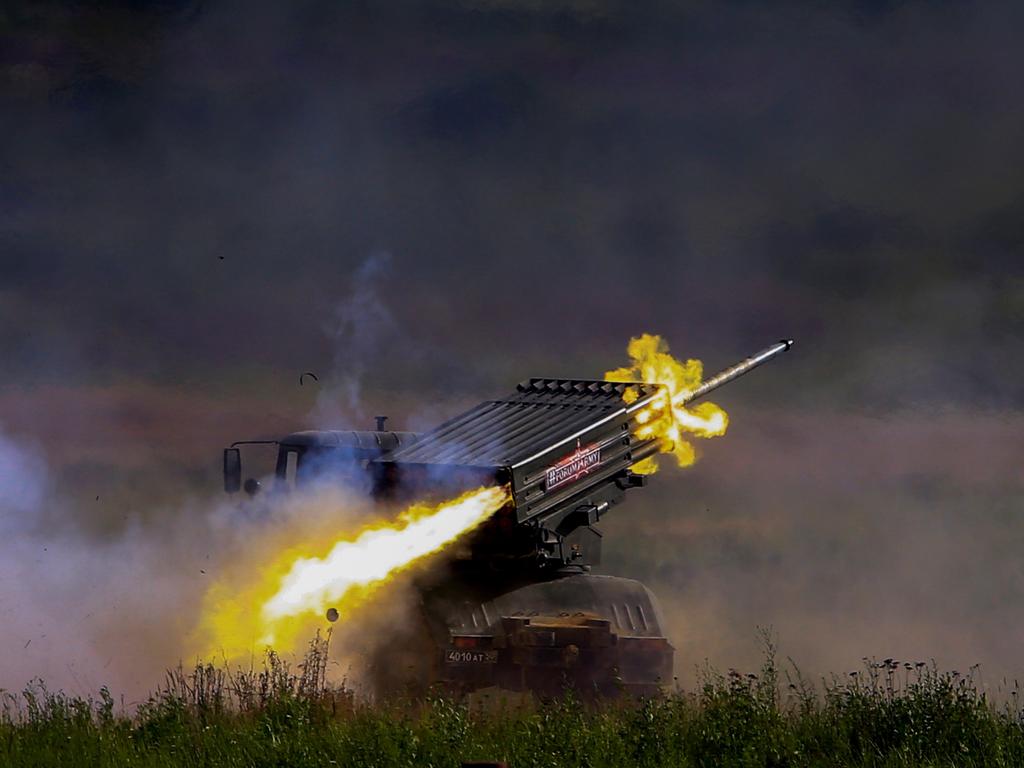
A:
(303, 457)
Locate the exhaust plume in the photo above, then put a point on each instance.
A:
(298, 587)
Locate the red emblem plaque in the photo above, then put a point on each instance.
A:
(574, 466)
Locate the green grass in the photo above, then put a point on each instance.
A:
(889, 714)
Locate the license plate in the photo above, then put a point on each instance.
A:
(466, 656)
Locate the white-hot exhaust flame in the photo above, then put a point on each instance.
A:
(313, 584)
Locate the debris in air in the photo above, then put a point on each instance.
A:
(332, 614)
(308, 373)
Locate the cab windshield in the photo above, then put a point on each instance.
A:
(300, 465)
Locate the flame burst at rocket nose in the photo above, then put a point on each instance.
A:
(667, 419)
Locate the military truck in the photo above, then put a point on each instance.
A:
(517, 606)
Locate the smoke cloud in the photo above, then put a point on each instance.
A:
(24, 481)
(120, 610)
(79, 611)
(361, 331)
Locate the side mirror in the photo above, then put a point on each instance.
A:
(232, 470)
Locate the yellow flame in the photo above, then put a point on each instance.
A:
(298, 588)
(665, 419)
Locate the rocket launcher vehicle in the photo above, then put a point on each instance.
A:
(515, 605)
(564, 447)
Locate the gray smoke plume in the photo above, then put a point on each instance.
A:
(362, 332)
(24, 482)
(80, 611)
